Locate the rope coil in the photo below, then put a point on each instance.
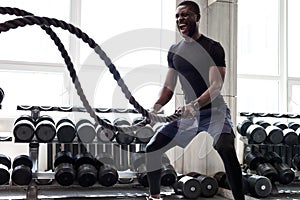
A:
(45, 23)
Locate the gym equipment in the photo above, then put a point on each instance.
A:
(209, 185)
(290, 137)
(122, 136)
(65, 173)
(5, 165)
(296, 161)
(65, 130)
(285, 174)
(86, 169)
(138, 161)
(293, 125)
(85, 131)
(263, 123)
(187, 186)
(143, 134)
(1, 95)
(255, 133)
(45, 129)
(257, 186)
(221, 179)
(168, 173)
(274, 135)
(24, 128)
(21, 173)
(105, 135)
(256, 161)
(107, 172)
(281, 125)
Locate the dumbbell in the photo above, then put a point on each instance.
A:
(255, 133)
(187, 186)
(296, 162)
(257, 186)
(65, 173)
(21, 173)
(290, 137)
(1, 95)
(85, 131)
(263, 123)
(209, 185)
(107, 171)
(256, 161)
(144, 133)
(45, 129)
(123, 137)
(293, 125)
(285, 174)
(281, 125)
(5, 165)
(274, 135)
(221, 179)
(168, 173)
(104, 134)
(65, 130)
(24, 128)
(86, 169)
(138, 161)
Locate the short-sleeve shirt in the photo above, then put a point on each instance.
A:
(192, 60)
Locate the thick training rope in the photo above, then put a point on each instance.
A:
(45, 22)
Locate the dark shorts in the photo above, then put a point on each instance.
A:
(214, 121)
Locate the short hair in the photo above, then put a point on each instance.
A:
(192, 5)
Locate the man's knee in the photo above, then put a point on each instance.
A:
(225, 143)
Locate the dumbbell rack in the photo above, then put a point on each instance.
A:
(277, 189)
(54, 190)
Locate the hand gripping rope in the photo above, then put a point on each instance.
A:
(45, 23)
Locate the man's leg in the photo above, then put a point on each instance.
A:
(226, 149)
(158, 145)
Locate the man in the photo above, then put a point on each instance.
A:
(199, 63)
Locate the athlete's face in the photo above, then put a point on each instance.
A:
(186, 21)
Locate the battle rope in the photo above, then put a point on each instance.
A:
(28, 19)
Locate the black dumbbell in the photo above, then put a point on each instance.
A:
(290, 137)
(138, 162)
(257, 186)
(296, 161)
(122, 136)
(105, 135)
(274, 135)
(187, 186)
(24, 128)
(65, 173)
(255, 133)
(281, 125)
(21, 173)
(5, 165)
(285, 174)
(144, 133)
(107, 171)
(1, 95)
(45, 129)
(263, 123)
(221, 179)
(86, 169)
(85, 131)
(256, 161)
(65, 130)
(168, 173)
(293, 125)
(209, 185)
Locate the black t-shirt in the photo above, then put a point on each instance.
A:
(192, 61)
